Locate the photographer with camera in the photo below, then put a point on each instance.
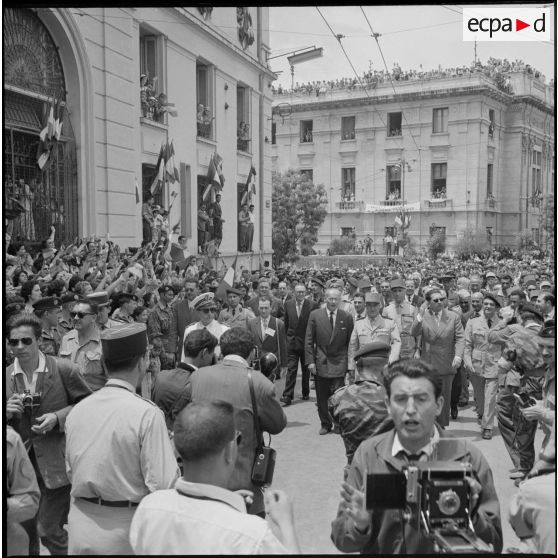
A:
(40, 392)
(228, 381)
(414, 402)
(201, 514)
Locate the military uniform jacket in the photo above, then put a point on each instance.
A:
(183, 316)
(119, 316)
(237, 318)
(481, 355)
(381, 329)
(327, 348)
(63, 385)
(161, 320)
(403, 315)
(50, 341)
(360, 411)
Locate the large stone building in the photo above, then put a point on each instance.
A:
(458, 152)
(209, 64)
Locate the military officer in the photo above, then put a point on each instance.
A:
(48, 310)
(127, 303)
(117, 449)
(235, 315)
(359, 410)
(403, 314)
(480, 359)
(101, 298)
(65, 322)
(162, 319)
(373, 328)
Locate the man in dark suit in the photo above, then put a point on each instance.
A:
(264, 292)
(297, 312)
(184, 313)
(326, 351)
(410, 296)
(269, 334)
(282, 293)
(59, 385)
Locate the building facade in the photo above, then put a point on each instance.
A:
(123, 83)
(456, 152)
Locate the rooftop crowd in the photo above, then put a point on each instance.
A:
(494, 68)
(130, 373)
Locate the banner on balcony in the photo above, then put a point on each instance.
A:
(372, 208)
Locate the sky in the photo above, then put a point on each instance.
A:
(430, 35)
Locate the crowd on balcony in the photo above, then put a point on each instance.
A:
(439, 194)
(154, 105)
(495, 68)
(204, 120)
(243, 137)
(394, 194)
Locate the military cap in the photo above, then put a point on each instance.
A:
(397, 284)
(529, 280)
(533, 309)
(125, 341)
(372, 298)
(318, 282)
(534, 294)
(352, 281)
(232, 290)
(547, 335)
(545, 284)
(122, 298)
(100, 298)
(446, 276)
(47, 303)
(492, 298)
(164, 288)
(205, 300)
(490, 274)
(376, 348)
(364, 283)
(335, 283)
(72, 297)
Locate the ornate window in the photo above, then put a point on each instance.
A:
(33, 83)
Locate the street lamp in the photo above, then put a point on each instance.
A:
(301, 55)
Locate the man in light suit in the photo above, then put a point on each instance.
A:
(326, 351)
(442, 343)
(269, 334)
(297, 312)
(410, 296)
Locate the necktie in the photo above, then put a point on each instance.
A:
(489, 323)
(331, 319)
(414, 457)
(298, 309)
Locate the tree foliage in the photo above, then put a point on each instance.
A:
(524, 240)
(299, 208)
(436, 244)
(341, 245)
(472, 243)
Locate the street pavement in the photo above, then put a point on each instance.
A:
(309, 469)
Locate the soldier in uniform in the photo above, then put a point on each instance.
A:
(101, 299)
(480, 358)
(373, 328)
(117, 449)
(162, 320)
(317, 287)
(235, 315)
(359, 410)
(48, 310)
(403, 314)
(127, 303)
(65, 322)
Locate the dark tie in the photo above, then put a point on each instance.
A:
(489, 323)
(331, 319)
(360, 318)
(414, 457)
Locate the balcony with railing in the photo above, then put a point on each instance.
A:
(438, 203)
(392, 202)
(353, 206)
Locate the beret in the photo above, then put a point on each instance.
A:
(205, 300)
(372, 298)
(352, 281)
(100, 298)
(125, 341)
(47, 303)
(318, 281)
(397, 284)
(547, 335)
(13, 308)
(492, 298)
(376, 348)
(533, 309)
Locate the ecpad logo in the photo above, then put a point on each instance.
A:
(506, 24)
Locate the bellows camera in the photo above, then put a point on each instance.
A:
(436, 497)
(31, 401)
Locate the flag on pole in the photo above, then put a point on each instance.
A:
(215, 178)
(227, 281)
(49, 135)
(171, 172)
(250, 190)
(160, 174)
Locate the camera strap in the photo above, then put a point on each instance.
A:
(257, 429)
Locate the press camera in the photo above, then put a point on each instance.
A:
(435, 497)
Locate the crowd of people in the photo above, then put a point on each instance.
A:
(495, 68)
(139, 383)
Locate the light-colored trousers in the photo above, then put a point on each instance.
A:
(485, 391)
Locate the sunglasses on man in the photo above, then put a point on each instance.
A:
(25, 340)
(80, 315)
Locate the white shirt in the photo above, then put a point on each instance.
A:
(196, 518)
(41, 369)
(264, 323)
(427, 450)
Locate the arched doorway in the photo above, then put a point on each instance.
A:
(34, 94)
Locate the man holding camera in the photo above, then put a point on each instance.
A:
(40, 392)
(415, 400)
(228, 380)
